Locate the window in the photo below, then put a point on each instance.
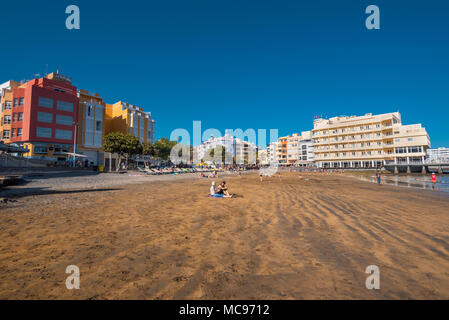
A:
(98, 126)
(20, 116)
(45, 117)
(414, 149)
(19, 132)
(21, 101)
(65, 120)
(13, 132)
(63, 134)
(89, 111)
(397, 140)
(43, 132)
(7, 120)
(6, 134)
(401, 150)
(45, 102)
(410, 139)
(8, 105)
(40, 149)
(14, 117)
(65, 106)
(16, 102)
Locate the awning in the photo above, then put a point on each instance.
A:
(75, 155)
(12, 149)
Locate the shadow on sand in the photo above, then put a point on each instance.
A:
(25, 192)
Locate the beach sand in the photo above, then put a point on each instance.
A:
(289, 239)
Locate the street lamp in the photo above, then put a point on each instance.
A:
(74, 143)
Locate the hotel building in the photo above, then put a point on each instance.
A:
(368, 141)
(41, 114)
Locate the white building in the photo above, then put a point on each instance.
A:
(272, 152)
(440, 155)
(241, 151)
(368, 141)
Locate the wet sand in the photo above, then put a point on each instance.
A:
(286, 239)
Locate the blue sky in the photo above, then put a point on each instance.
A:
(242, 64)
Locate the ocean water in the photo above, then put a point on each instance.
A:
(418, 182)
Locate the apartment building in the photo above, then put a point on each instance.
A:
(242, 151)
(91, 128)
(439, 155)
(41, 114)
(272, 152)
(368, 141)
(129, 119)
(296, 149)
(281, 151)
(245, 152)
(262, 157)
(6, 102)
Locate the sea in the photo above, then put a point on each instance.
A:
(417, 182)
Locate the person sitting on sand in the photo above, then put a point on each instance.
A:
(223, 189)
(213, 192)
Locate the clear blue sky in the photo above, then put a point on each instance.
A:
(242, 64)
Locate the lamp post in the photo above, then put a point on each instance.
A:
(74, 144)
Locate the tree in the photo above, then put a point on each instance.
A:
(148, 149)
(163, 147)
(125, 145)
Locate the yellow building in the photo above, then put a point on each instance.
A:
(368, 141)
(6, 114)
(129, 119)
(91, 127)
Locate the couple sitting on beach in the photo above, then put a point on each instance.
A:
(220, 192)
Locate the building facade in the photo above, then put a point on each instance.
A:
(43, 115)
(6, 102)
(368, 141)
(439, 155)
(243, 152)
(272, 152)
(91, 128)
(129, 119)
(296, 150)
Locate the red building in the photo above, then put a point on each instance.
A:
(44, 113)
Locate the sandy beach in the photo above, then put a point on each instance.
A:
(164, 238)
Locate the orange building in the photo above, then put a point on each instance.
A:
(129, 119)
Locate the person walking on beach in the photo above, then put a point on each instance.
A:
(433, 177)
(379, 178)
